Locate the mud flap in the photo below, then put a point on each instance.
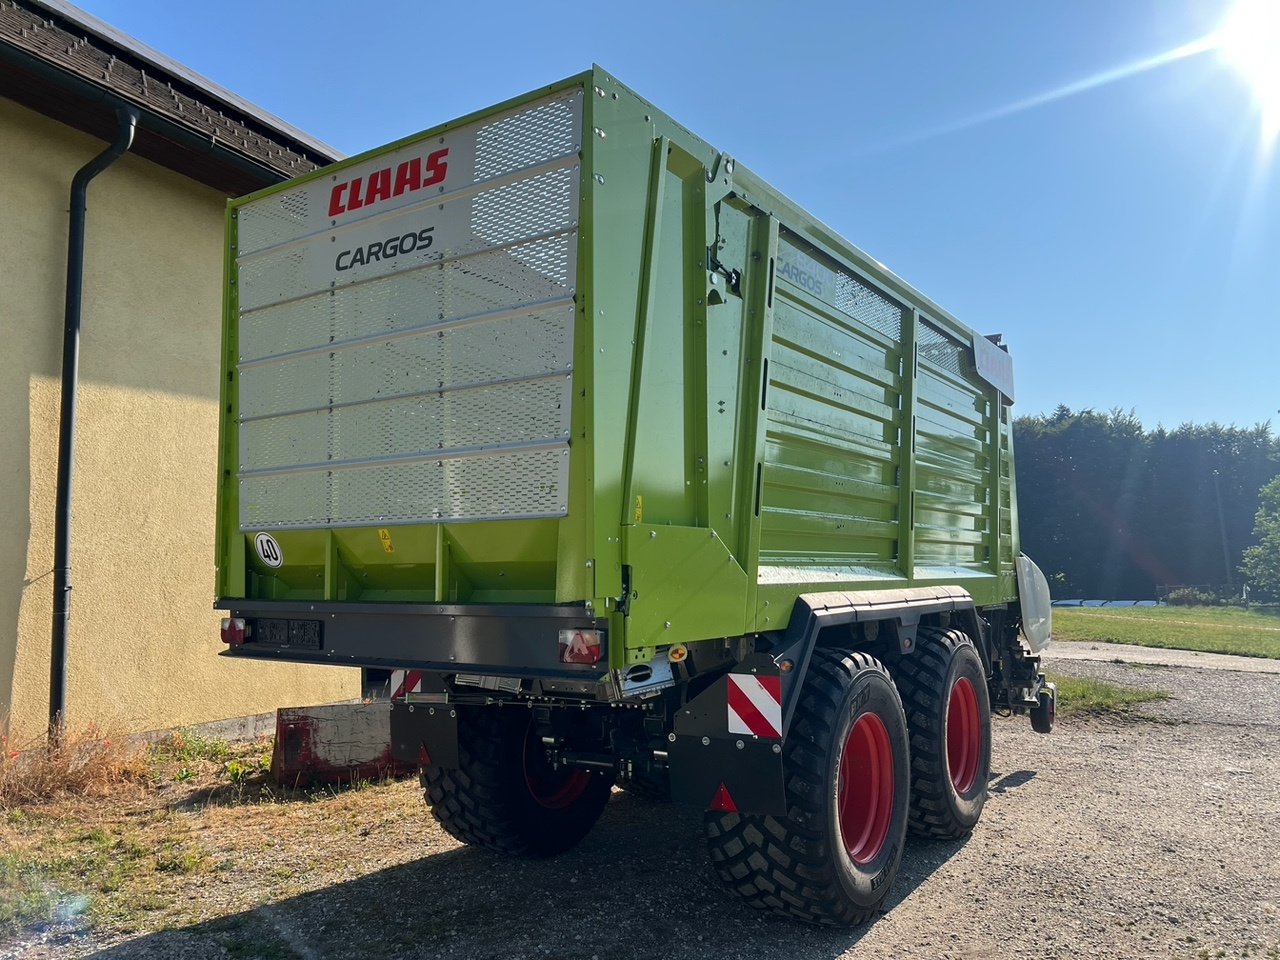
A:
(726, 748)
(424, 734)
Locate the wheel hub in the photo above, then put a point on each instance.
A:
(551, 787)
(864, 794)
(964, 736)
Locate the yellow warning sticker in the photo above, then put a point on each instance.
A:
(385, 536)
(639, 509)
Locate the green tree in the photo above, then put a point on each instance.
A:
(1112, 511)
(1262, 562)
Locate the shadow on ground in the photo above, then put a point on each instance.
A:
(640, 886)
(262, 788)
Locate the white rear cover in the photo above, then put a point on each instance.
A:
(405, 336)
(1037, 609)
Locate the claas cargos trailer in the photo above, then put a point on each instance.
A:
(635, 473)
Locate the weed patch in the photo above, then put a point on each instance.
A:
(84, 764)
(1081, 696)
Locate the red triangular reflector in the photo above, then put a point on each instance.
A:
(424, 758)
(722, 801)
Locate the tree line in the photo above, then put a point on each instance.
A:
(1109, 510)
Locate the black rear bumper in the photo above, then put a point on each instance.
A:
(509, 640)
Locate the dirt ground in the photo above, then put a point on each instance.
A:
(1156, 837)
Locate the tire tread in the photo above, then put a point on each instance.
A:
(920, 677)
(783, 865)
(476, 803)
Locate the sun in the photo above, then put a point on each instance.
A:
(1249, 39)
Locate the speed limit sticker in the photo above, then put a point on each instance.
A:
(269, 551)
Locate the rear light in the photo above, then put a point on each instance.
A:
(234, 630)
(581, 646)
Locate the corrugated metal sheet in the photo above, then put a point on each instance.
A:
(834, 439)
(954, 431)
(829, 486)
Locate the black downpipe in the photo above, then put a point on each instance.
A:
(127, 119)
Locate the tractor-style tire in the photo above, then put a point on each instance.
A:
(504, 795)
(833, 858)
(944, 691)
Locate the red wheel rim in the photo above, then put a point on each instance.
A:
(964, 739)
(864, 794)
(550, 787)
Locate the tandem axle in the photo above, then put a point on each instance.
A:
(703, 722)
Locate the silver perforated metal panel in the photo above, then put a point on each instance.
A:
(280, 217)
(942, 350)
(491, 282)
(527, 208)
(527, 137)
(512, 485)
(819, 275)
(405, 337)
(442, 357)
(484, 417)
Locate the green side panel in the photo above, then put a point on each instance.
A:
(955, 449)
(829, 503)
(231, 575)
(669, 447)
(687, 587)
(501, 562)
(1009, 543)
(667, 433)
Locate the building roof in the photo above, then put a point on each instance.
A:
(62, 62)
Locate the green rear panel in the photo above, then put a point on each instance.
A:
(756, 410)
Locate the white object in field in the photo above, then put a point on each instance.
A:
(1037, 609)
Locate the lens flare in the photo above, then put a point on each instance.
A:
(1249, 40)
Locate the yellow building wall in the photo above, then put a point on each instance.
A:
(144, 636)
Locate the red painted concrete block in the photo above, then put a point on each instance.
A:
(336, 743)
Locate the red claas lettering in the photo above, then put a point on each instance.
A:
(365, 191)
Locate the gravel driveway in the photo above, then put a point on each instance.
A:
(1134, 838)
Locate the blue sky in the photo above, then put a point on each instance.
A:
(1125, 239)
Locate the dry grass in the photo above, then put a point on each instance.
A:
(1088, 697)
(86, 763)
(189, 829)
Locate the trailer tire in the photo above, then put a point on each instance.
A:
(833, 858)
(944, 691)
(504, 796)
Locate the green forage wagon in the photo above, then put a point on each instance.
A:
(636, 473)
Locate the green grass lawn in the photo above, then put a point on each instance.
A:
(1080, 695)
(1247, 633)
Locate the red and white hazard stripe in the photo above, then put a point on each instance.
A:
(405, 681)
(755, 705)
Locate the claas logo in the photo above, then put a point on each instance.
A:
(389, 182)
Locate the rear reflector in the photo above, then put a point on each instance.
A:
(234, 630)
(722, 801)
(581, 646)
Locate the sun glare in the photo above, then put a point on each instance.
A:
(1250, 42)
